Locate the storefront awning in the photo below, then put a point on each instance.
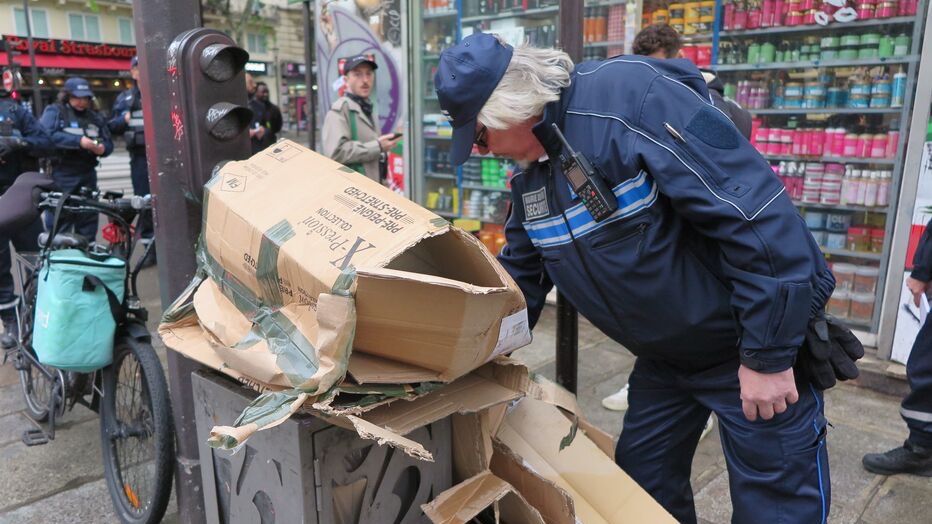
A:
(68, 62)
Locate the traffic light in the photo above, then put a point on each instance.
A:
(208, 104)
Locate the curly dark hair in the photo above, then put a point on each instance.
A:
(657, 37)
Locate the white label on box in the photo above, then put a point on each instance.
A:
(515, 333)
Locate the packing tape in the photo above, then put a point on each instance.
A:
(266, 411)
(295, 355)
(267, 263)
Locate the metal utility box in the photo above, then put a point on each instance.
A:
(306, 470)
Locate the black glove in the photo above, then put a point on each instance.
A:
(11, 144)
(829, 352)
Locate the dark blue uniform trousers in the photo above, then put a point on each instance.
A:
(24, 240)
(139, 173)
(84, 224)
(777, 469)
(916, 408)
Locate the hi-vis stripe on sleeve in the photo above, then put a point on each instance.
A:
(633, 196)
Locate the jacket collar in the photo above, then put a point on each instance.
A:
(554, 113)
(362, 115)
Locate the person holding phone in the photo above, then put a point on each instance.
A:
(351, 128)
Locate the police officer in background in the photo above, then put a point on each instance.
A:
(20, 135)
(81, 137)
(127, 120)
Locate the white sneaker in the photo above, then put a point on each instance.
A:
(617, 401)
(709, 424)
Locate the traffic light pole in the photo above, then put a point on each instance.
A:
(177, 219)
(567, 358)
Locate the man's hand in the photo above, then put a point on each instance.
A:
(388, 142)
(126, 116)
(766, 394)
(92, 146)
(917, 288)
(257, 133)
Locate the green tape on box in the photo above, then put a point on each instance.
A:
(267, 264)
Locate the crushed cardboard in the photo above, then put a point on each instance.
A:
(601, 491)
(473, 496)
(286, 223)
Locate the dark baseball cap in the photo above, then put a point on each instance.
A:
(134, 61)
(78, 87)
(466, 76)
(351, 62)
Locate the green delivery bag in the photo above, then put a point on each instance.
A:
(78, 303)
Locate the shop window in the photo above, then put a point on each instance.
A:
(256, 43)
(126, 31)
(40, 22)
(84, 27)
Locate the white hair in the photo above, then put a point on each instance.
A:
(533, 79)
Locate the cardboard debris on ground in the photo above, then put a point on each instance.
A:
(601, 491)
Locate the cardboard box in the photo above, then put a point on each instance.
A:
(287, 223)
(576, 484)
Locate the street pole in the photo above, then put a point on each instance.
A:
(567, 358)
(310, 104)
(177, 218)
(36, 90)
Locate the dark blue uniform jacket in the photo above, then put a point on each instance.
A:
(65, 126)
(705, 258)
(26, 127)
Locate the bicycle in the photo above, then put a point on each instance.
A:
(130, 394)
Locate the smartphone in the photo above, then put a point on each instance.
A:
(396, 135)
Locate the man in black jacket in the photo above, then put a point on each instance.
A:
(915, 455)
(266, 119)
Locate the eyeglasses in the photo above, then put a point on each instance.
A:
(480, 137)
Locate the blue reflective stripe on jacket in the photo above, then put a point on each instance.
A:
(705, 255)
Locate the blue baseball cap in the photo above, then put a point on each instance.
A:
(134, 62)
(466, 76)
(78, 87)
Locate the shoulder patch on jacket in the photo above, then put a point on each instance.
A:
(535, 204)
(714, 128)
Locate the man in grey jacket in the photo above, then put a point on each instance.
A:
(351, 127)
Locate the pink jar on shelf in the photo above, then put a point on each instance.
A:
(863, 148)
(885, 10)
(817, 142)
(878, 146)
(839, 148)
(779, 10)
(741, 18)
(851, 145)
(809, 17)
(893, 139)
(728, 16)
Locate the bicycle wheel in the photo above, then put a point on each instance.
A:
(137, 433)
(37, 387)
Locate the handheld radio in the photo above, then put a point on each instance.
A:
(592, 190)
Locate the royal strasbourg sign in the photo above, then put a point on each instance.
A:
(68, 47)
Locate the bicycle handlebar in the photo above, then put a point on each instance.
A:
(50, 201)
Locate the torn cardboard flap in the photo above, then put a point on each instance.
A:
(463, 502)
(601, 491)
(554, 504)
